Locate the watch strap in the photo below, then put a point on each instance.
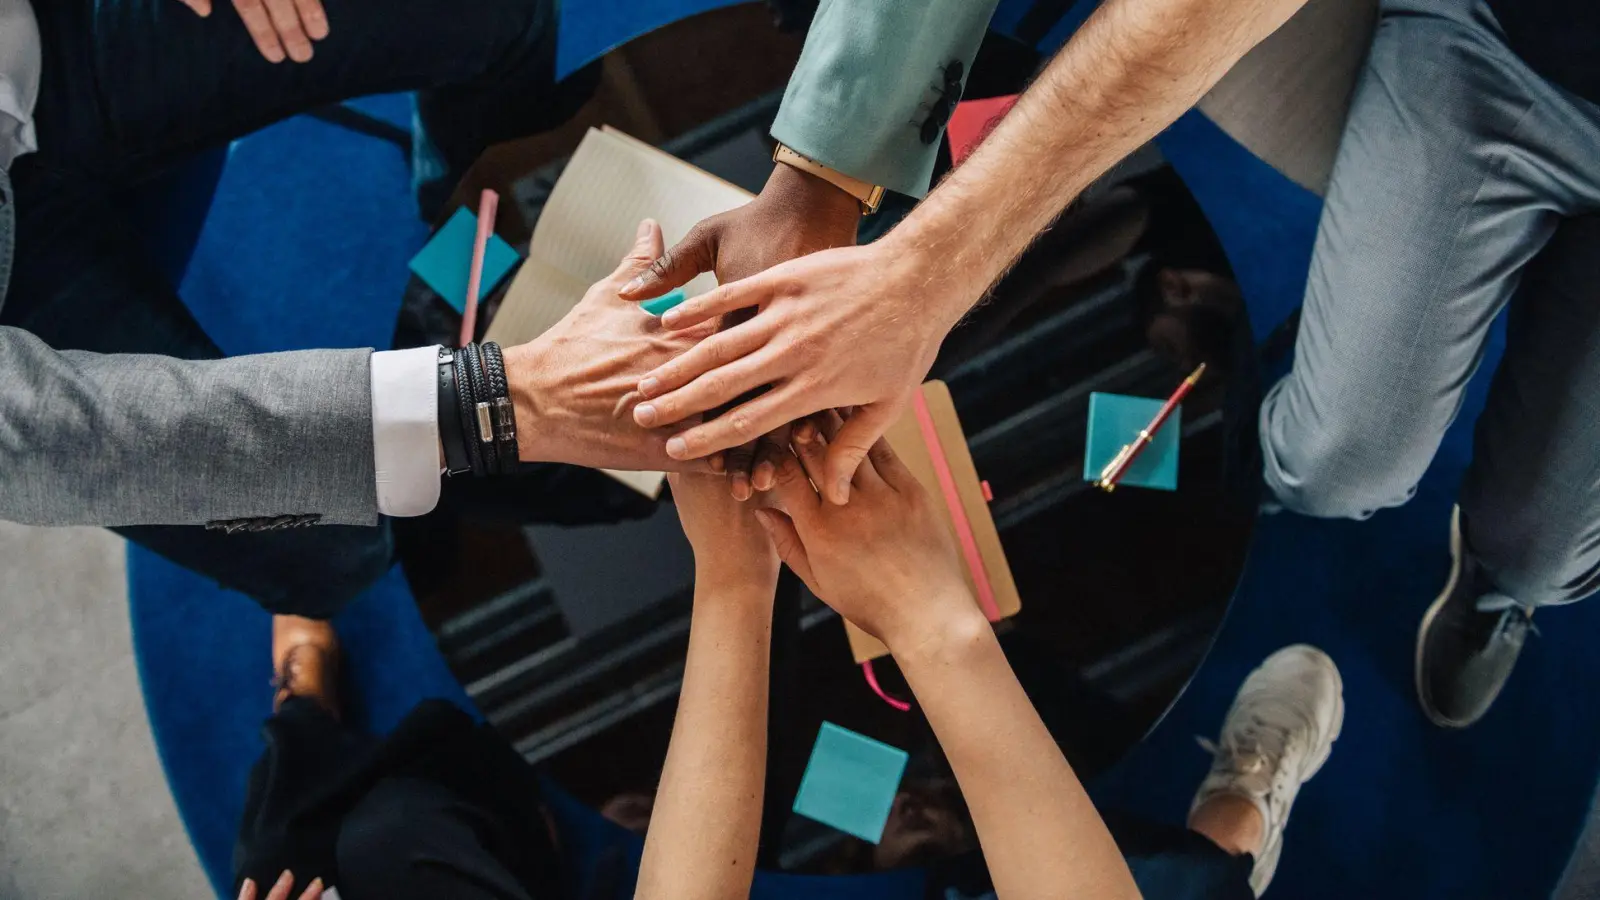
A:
(870, 196)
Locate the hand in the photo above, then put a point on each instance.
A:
(731, 549)
(795, 215)
(853, 326)
(279, 27)
(280, 890)
(573, 386)
(885, 561)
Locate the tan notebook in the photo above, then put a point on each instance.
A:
(907, 439)
(587, 226)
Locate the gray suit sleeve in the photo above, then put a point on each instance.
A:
(91, 439)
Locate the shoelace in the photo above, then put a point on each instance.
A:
(1251, 750)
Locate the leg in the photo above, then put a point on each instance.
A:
(1277, 735)
(411, 838)
(1530, 505)
(1426, 227)
(133, 85)
(311, 770)
(81, 282)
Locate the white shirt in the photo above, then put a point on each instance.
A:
(19, 79)
(405, 386)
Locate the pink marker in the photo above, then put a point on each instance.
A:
(488, 207)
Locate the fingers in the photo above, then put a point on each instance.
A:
(794, 491)
(718, 387)
(280, 891)
(735, 295)
(314, 18)
(247, 891)
(740, 461)
(712, 353)
(786, 540)
(202, 8)
(286, 20)
(259, 24)
(313, 890)
(647, 242)
(770, 451)
(850, 447)
(894, 472)
(696, 253)
(742, 424)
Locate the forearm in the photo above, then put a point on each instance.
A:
(1041, 835)
(707, 817)
(97, 439)
(1128, 73)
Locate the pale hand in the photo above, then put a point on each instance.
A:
(850, 327)
(574, 387)
(796, 214)
(731, 549)
(281, 890)
(885, 561)
(280, 28)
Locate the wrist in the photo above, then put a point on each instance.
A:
(749, 585)
(944, 637)
(809, 195)
(524, 372)
(937, 269)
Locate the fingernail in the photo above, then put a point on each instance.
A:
(677, 448)
(284, 880)
(763, 477)
(718, 465)
(317, 27)
(315, 886)
(633, 286)
(247, 890)
(671, 318)
(645, 415)
(844, 490)
(766, 523)
(741, 487)
(649, 386)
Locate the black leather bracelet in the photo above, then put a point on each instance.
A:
(456, 460)
(480, 431)
(464, 412)
(504, 413)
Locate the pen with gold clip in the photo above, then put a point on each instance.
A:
(1114, 470)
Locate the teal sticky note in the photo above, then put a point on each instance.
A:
(851, 782)
(666, 301)
(1116, 420)
(446, 260)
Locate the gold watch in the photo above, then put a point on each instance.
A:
(869, 195)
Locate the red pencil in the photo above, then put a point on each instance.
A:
(1114, 470)
(488, 206)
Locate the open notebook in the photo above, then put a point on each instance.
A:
(588, 224)
(928, 438)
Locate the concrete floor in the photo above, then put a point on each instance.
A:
(84, 806)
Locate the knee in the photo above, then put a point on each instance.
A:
(1336, 468)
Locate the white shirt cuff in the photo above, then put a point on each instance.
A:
(405, 430)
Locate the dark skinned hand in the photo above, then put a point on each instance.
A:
(795, 215)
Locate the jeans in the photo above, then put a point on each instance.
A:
(133, 88)
(1464, 182)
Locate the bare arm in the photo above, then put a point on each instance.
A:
(1128, 73)
(707, 818)
(860, 326)
(886, 562)
(1041, 835)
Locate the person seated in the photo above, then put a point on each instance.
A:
(117, 408)
(886, 561)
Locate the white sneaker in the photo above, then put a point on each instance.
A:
(1278, 733)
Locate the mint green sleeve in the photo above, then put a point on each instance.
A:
(870, 72)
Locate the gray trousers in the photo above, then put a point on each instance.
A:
(1464, 181)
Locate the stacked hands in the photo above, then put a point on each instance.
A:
(884, 561)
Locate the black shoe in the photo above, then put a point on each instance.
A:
(1468, 643)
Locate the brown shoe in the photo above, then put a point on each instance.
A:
(305, 661)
